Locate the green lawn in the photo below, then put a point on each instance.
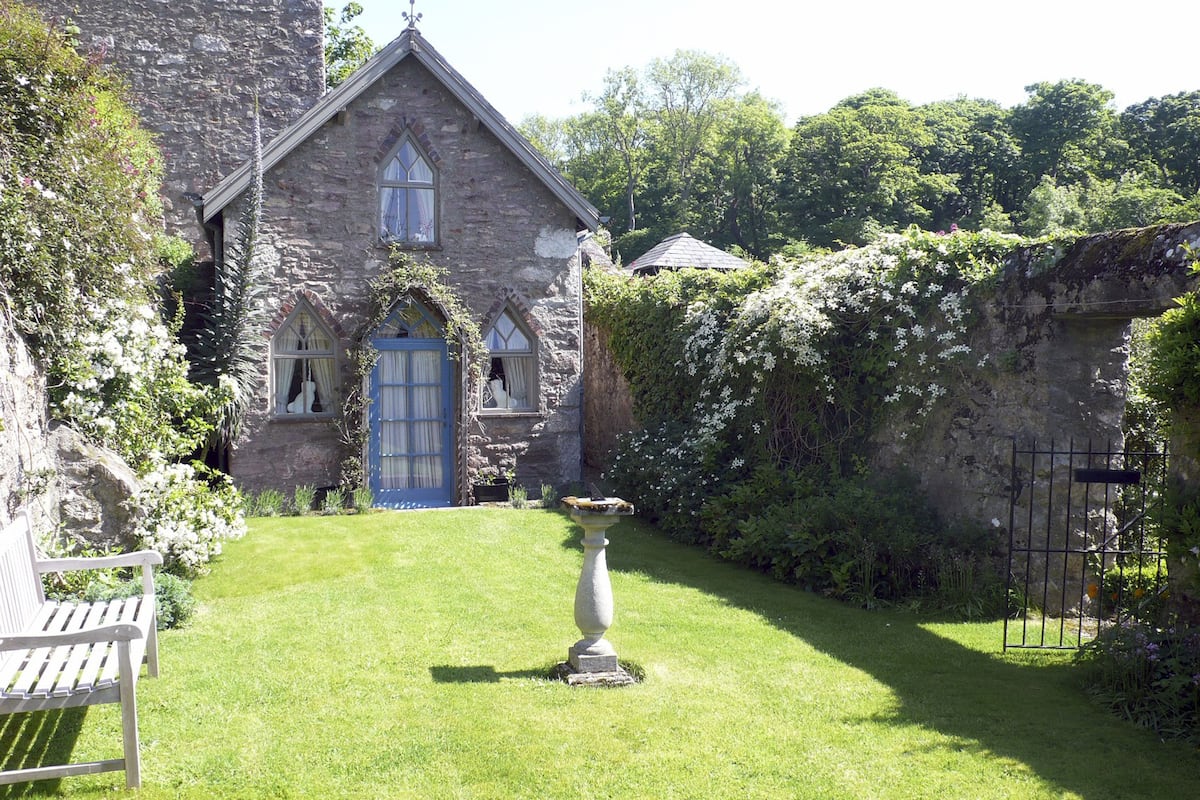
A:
(403, 654)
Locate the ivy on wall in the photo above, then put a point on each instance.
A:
(405, 277)
(760, 389)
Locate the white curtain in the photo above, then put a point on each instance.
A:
(518, 372)
(393, 424)
(285, 368)
(427, 418)
(423, 207)
(390, 218)
(322, 374)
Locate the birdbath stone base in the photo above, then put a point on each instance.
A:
(593, 595)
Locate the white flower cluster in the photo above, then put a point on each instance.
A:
(117, 351)
(902, 299)
(185, 518)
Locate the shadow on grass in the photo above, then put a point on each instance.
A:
(37, 739)
(1024, 706)
(484, 673)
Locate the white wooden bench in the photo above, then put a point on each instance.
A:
(63, 655)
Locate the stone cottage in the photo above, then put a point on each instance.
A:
(404, 154)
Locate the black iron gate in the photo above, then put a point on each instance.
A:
(1083, 548)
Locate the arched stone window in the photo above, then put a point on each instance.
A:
(408, 196)
(512, 366)
(303, 366)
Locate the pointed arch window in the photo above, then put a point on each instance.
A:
(512, 365)
(408, 197)
(303, 366)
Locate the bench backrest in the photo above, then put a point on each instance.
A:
(20, 584)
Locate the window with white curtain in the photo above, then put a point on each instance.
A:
(303, 367)
(408, 197)
(511, 382)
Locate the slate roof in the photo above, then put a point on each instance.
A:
(680, 251)
(410, 43)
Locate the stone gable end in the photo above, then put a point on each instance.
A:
(502, 234)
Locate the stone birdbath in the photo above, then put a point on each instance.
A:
(593, 596)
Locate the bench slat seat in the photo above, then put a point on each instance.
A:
(64, 654)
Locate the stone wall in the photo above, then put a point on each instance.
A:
(195, 69)
(71, 489)
(1056, 336)
(26, 467)
(608, 403)
(505, 238)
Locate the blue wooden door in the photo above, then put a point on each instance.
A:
(409, 449)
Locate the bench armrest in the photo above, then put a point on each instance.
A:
(147, 559)
(121, 632)
(141, 557)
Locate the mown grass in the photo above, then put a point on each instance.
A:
(403, 655)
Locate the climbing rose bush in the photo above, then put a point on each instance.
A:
(80, 237)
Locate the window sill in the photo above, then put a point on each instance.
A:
(293, 419)
(417, 246)
(509, 412)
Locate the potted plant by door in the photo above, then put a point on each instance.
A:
(493, 487)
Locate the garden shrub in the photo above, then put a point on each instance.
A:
(761, 389)
(304, 498)
(189, 511)
(1148, 675)
(80, 246)
(362, 498)
(1135, 591)
(334, 501)
(172, 594)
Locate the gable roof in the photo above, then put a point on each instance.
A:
(410, 43)
(680, 251)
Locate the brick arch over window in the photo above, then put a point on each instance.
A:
(511, 335)
(408, 186)
(304, 359)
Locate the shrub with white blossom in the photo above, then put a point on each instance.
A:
(186, 525)
(80, 233)
(787, 369)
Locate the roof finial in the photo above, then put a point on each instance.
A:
(411, 14)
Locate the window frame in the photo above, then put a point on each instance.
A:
(280, 353)
(527, 355)
(409, 187)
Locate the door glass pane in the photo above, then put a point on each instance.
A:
(409, 420)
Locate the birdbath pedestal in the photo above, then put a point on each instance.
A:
(593, 595)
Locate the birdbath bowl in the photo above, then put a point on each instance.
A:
(593, 595)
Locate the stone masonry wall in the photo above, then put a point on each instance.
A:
(1056, 339)
(608, 403)
(26, 465)
(195, 68)
(504, 238)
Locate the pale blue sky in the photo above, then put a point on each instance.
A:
(529, 56)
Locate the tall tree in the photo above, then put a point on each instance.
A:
(1164, 134)
(622, 116)
(856, 169)
(973, 145)
(347, 46)
(686, 94)
(1068, 131)
(740, 194)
